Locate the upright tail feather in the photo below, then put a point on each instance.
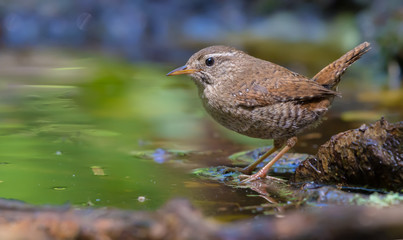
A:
(330, 75)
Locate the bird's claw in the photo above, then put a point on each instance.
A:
(249, 178)
(254, 177)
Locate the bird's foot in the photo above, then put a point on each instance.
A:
(256, 176)
(250, 178)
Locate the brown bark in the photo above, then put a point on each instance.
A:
(369, 156)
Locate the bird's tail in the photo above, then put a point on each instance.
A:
(330, 75)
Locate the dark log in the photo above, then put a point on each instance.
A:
(179, 220)
(369, 156)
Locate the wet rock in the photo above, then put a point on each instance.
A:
(284, 167)
(331, 196)
(371, 156)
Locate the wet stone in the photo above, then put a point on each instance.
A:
(285, 166)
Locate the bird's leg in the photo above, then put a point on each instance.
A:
(263, 172)
(248, 169)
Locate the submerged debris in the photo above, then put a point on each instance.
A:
(370, 156)
(160, 155)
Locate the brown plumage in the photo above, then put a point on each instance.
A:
(260, 99)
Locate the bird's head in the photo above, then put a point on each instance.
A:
(212, 65)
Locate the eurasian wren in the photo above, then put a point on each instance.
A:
(260, 99)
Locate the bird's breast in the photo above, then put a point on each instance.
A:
(273, 121)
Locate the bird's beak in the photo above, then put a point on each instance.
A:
(182, 70)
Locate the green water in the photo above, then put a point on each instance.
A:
(58, 124)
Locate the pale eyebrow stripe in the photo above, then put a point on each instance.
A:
(227, 54)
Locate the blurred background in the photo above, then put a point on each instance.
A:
(168, 31)
(87, 115)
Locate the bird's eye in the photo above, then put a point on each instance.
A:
(210, 61)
